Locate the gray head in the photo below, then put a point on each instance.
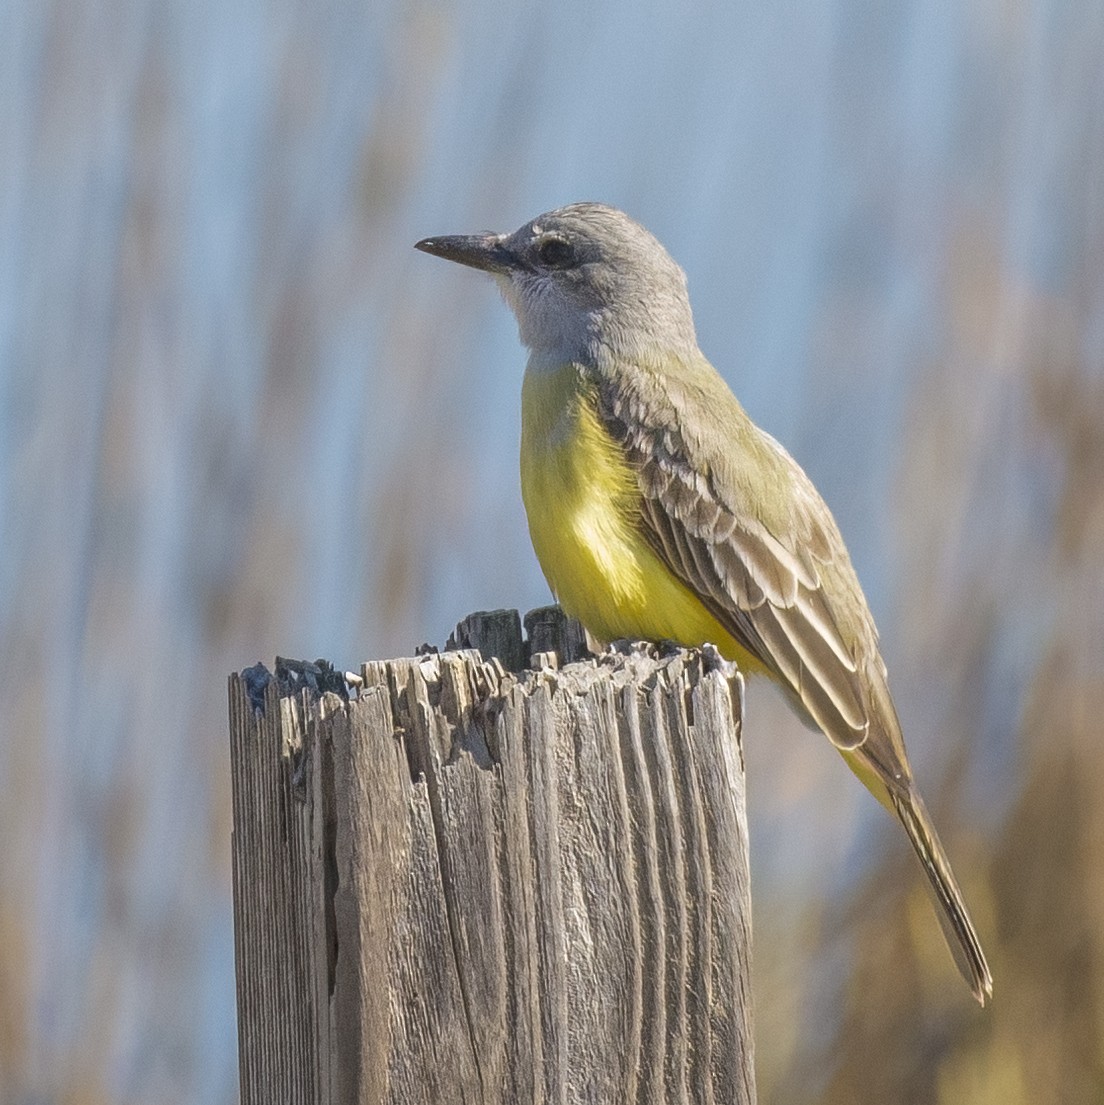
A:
(586, 282)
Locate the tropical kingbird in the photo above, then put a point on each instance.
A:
(658, 510)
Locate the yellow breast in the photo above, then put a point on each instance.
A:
(582, 501)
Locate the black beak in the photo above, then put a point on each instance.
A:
(477, 251)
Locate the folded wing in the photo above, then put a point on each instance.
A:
(768, 566)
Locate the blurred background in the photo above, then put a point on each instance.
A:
(240, 416)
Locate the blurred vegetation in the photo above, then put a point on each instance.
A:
(239, 416)
(1032, 871)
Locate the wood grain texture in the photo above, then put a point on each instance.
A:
(469, 885)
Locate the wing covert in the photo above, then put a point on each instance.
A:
(768, 585)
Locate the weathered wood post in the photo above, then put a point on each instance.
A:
(486, 878)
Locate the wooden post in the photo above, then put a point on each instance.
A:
(465, 883)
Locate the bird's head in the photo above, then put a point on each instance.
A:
(585, 282)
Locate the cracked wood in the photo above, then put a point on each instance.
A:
(475, 884)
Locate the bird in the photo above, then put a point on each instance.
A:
(659, 511)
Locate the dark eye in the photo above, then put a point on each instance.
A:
(555, 253)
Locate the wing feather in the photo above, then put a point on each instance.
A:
(767, 586)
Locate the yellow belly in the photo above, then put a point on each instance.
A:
(582, 500)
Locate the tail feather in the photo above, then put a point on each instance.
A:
(958, 929)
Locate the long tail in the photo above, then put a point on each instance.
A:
(955, 921)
